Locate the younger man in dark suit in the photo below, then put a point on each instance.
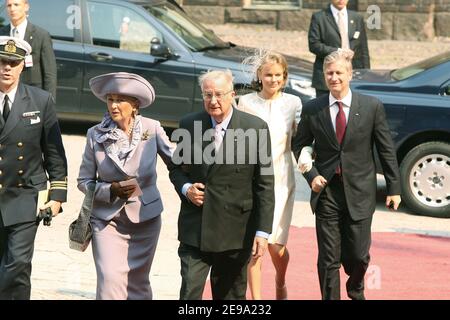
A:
(40, 66)
(226, 204)
(344, 126)
(336, 28)
(30, 148)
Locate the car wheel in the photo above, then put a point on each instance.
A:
(425, 175)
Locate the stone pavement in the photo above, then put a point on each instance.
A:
(63, 273)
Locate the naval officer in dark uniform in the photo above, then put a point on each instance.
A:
(31, 152)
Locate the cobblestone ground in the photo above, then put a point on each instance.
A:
(384, 54)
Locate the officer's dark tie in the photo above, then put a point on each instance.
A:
(5, 108)
(341, 125)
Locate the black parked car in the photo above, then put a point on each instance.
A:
(152, 38)
(417, 103)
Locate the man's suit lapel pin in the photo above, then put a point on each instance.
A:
(356, 114)
(351, 21)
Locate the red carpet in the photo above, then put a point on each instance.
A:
(402, 267)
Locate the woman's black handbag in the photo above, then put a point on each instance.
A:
(80, 230)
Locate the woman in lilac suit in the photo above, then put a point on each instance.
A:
(120, 157)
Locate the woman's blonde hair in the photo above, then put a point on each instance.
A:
(261, 58)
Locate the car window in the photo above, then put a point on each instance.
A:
(445, 89)
(65, 17)
(409, 71)
(193, 34)
(119, 27)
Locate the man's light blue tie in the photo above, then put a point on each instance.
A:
(15, 33)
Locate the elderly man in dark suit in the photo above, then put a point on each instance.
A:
(226, 189)
(344, 126)
(336, 28)
(40, 66)
(30, 148)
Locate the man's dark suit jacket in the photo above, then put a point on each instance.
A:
(239, 200)
(366, 126)
(30, 148)
(43, 72)
(324, 38)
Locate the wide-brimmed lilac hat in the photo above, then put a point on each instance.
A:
(124, 83)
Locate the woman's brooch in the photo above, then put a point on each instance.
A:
(145, 135)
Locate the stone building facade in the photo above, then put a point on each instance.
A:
(385, 19)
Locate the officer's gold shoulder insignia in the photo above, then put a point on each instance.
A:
(10, 47)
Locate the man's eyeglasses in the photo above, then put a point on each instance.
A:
(219, 95)
(12, 63)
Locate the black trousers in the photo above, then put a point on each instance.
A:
(341, 240)
(228, 273)
(16, 252)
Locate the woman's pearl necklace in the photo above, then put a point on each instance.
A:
(130, 128)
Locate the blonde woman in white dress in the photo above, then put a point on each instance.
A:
(281, 111)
